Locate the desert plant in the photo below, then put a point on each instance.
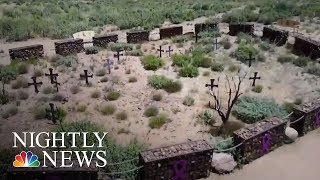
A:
(180, 60)
(48, 90)
(285, 59)
(22, 68)
(121, 47)
(161, 82)
(39, 112)
(67, 61)
(313, 69)
(217, 67)
(257, 88)
(101, 72)
(298, 101)
(135, 52)
(288, 107)
(113, 95)
(82, 108)
(104, 79)
(301, 61)
(121, 115)
(132, 79)
(189, 71)
(265, 46)
(38, 73)
(95, 94)
(58, 97)
(207, 118)
(151, 62)
(244, 51)
(108, 109)
(23, 95)
(206, 73)
(92, 50)
(75, 89)
(11, 111)
(158, 121)
(123, 131)
(151, 111)
(157, 96)
(188, 101)
(233, 68)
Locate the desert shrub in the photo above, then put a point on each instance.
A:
(288, 107)
(226, 44)
(158, 121)
(138, 46)
(189, 71)
(132, 79)
(38, 73)
(121, 47)
(108, 109)
(244, 38)
(188, 101)
(199, 60)
(298, 101)
(151, 62)
(180, 39)
(135, 52)
(313, 69)
(75, 89)
(128, 71)
(233, 68)
(257, 88)
(19, 83)
(260, 57)
(244, 51)
(58, 97)
(157, 96)
(48, 90)
(82, 108)
(181, 60)
(67, 61)
(108, 88)
(95, 94)
(207, 118)
(161, 82)
(23, 95)
(206, 73)
(301, 61)
(151, 111)
(285, 59)
(123, 131)
(113, 95)
(22, 68)
(92, 50)
(121, 115)
(115, 79)
(39, 112)
(217, 67)
(101, 72)
(4, 98)
(253, 109)
(104, 79)
(11, 111)
(265, 46)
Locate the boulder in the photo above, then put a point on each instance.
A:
(223, 162)
(291, 133)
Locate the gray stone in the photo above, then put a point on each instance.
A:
(223, 162)
(291, 133)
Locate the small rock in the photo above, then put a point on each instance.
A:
(291, 133)
(223, 162)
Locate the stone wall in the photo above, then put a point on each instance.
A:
(69, 46)
(253, 136)
(234, 29)
(137, 37)
(306, 47)
(199, 27)
(191, 160)
(104, 40)
(275, 35)
(169, 32)
(27, 52)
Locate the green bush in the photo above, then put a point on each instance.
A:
(181, 60)
(207, 118)
(122, 115)
(199, 60)
(22, 68)
(39, 112)
(288, 107)
(313, 69)
(244, 38)
(301, 61)
(151, 62)
(151, 111)
(135, 52)
(298, 101)
(285, 59)
(188, 101)
(113, 95)
(121, 47)
(234, 68)
(67, 61)
(92, 50)
(217, 67)
(158, 121)
(108, 109)
(244, 51)
(253, 109)
(189, 71)
(257, 88)
(180, 39)
(265, 46)
(161, 82)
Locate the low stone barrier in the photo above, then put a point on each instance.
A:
(27, 52)
(247, 28)
(260, 138)
(69, 46)
(275, 35)
(137, 36)
(191, 160)
(306, 47)
(104, 40)
(169, 32)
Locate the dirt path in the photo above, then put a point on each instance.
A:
(296, 161)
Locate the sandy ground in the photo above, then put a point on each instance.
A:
(297, 161)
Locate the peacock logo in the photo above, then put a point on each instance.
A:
(26, 160)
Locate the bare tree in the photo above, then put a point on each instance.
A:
(224, 109)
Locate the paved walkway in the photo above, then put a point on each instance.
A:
(297, 161)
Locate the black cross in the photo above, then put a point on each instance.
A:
(250, 59)
(86, 76)
(52, 75)
(254, 78)
(215, 43)
(118, 55)
(160, 51)
(35, 84)
(51, 113)
(56, 83)
(169, 51)
(108, 64)
(212, 85)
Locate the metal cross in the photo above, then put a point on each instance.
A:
(250, 59)
(118, 55)
(108, 64)
(254, 78)
(86, 76)
(56, 83)
(169, 51)
(212, 85)
(51, 113)
(215, 43)
(160, 51)
(52, 75)
(35, 84)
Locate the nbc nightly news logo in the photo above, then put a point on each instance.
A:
(51, 140)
